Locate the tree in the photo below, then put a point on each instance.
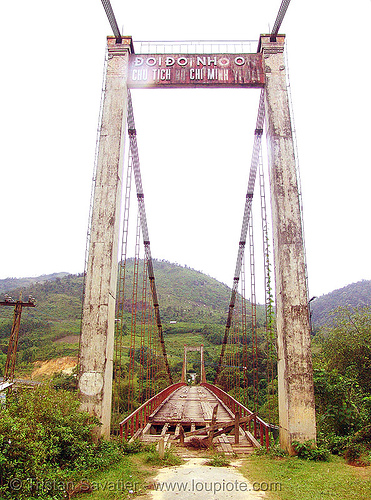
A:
(342, 375)
(339, 403)
(346, 344)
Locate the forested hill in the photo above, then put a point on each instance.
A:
(184, 294)
(353, 295)
(9, 284)
(189, 301)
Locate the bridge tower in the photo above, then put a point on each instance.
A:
(295, 378)
(295, 373)
(199, 349)
(98, 320)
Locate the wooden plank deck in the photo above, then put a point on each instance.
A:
(192, 408)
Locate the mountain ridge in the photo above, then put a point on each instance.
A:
(10, 283)
(175, 282)
(354, 295)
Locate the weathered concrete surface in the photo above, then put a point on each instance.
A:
(295, 373)
(97, 335)
(196, 480)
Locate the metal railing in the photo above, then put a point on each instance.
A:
(139, 418)
(260, 429)
(196, 47)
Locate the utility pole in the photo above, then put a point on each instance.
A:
(13, 341)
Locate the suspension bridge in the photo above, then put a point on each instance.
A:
(122, 348)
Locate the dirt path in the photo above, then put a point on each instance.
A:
(196, 480)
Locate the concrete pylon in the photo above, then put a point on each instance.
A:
(184, 367)
(98, 319)
(203, 373)
(295, 373)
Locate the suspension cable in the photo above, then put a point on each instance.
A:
(112, 20)
(143, 344)
(133, 328)
(254, 335)
(143, 220)
(245, 223)
(269, 312)
(281, 14)
(244, 399)
(120, 301)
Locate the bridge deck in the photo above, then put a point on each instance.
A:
(192, 407)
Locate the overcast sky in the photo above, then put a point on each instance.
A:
(195, 145)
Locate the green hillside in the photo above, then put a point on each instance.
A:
(193, 309)
(185, 294)
(9, 284)
(353, 295)
(56, 316)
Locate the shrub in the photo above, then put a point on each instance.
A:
(335, 444)
(218, 460)
(358, 450)
(309, 451)
(170, 458)
(45, 440)
(67, 382)
(273, 451)
(133, 447)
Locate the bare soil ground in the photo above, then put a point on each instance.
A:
(44, 369)
(69, 339)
